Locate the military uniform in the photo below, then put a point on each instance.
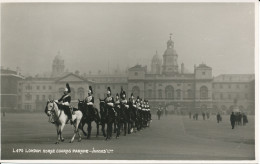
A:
(64, 102)
(109, 100)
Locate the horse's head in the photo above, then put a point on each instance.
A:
(81, 104)
(49, 107)
(102, 104)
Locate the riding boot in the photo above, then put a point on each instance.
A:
(70, 116)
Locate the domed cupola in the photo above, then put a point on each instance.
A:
(170, 43)
(170, 56)
(156, 64)
(58, 65)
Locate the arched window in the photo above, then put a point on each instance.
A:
(203, 92)
(159, 93)
(178, 92)
(28, 96)
(136, 91)
(150, 93)
(190, 94)
(81, 93)
(72, 93)
(204, 107)
(241, 107)
(61, 90)
(224, 108)
(169, 92)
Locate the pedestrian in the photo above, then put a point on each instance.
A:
(207, 115)
(233, 120)
(218, 117)
(197, 116)
(245, 120)
(203, 115)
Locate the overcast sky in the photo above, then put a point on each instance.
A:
(91, 36)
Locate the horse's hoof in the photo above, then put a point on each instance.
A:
(79, 140)
(71, 141)
(62, 140)
(56, 142)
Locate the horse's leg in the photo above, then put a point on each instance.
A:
(97, 124)
(61, 129)
(129, 127)
(103, 129)
(77, 129)
(118, 129)
(89, 129)
(82, 127)
(109, 133)
(107, 130)
(74, 134)
(125, 127)
(58, 133)
(115, 127)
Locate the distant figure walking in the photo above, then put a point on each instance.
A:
(245, 120)
(207, 115)
(159, 112)
(203, 115)
(233, 120)
(166, 112)
(218, 117)
(197, 116)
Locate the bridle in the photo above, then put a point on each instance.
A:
(52, 109)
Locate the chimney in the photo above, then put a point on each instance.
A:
(182, 68)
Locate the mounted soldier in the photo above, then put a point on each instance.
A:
(109, 100)
(90, 101)
(64, 102)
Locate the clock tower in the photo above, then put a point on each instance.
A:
(170, 56)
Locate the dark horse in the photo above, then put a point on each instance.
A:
(107, 117)
(133, 120)
(120, 120)
(88, 118)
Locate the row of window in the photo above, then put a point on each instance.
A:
(29, 97)
(169, 92)
(29, 87)
(229, 96)
(229, 86)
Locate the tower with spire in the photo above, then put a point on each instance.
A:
(170, 57)
(156, 64)
(57, 65)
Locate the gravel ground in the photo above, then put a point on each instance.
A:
(171, 138)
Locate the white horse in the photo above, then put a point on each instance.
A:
(61, 119)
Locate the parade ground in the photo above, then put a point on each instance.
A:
(173, 137)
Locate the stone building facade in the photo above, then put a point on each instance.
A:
(165, 84)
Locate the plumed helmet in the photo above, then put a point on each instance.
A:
(90, 88)
(117, 94)
(108, 89)
(132, 95)
(122, 92)
(67, 88)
